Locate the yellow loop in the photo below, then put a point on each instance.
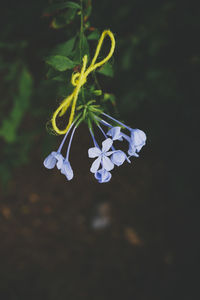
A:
(79, 79)
(74, 78)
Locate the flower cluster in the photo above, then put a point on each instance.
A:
(107, 157)
(57, 159)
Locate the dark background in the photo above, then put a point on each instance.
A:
(49, 246)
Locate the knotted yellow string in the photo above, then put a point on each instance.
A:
(79, 79)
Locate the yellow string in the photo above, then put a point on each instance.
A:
(79, 79)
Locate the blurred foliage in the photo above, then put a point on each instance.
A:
(21, 103)
(154, 69)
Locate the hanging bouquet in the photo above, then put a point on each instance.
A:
(106, 156)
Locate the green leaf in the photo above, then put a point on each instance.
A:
(85, 46)
(56, 75)
(60, 6)
(64, 19)
(60, 63)
(76, 53)
(106, 70)
(97, 92)
(21, 104)
(88, 8)
(12, 72)
(95, 35)
(109, 97)
(74, 5)
(65, 48)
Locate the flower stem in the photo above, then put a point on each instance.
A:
(122, 124)
(94, 141)
(62, 143)
(70, 141)
(81, 31)
(104, 122)
(81, 44)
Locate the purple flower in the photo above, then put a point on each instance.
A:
(118, 157)
(136, 142)
(102, 156)
(60, 160)
(66, 169)
(115, 133)
(103, 176)
(55, 157)
(50, 160)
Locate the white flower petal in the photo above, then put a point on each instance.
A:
(106, 145)
(67, 170)
(107, 163)
(138, 138)
(118, 157)
(115, 133)
(95, 165)
(132, 151)
(109, 153)
(60, 160)
(103, 176)
(94, 152)
(50, 161)
(106, 176)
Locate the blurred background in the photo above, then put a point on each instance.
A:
(136, 236)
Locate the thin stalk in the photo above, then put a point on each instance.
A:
(70, 142)
(122, 124)
(81, 44)
(93, 138)
(81, 31)
(62, 143)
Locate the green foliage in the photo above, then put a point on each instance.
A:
(85, 46)
(60, 63)
(106, 70)
(95, 35)
(65, 48)
(21, 102)
(64, 12)
(152, 68)
(60, 6)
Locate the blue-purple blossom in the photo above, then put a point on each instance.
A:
(102, 156)
(66, 169)
(105, 158)
(103, 176)
(118, 157)
(115, 133)
(54, 158)
(60, 160)
(50, 160)
(137, 141)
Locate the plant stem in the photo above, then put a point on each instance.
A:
(96, 81)
(81, 31)
(81, 45)
(97, 85)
